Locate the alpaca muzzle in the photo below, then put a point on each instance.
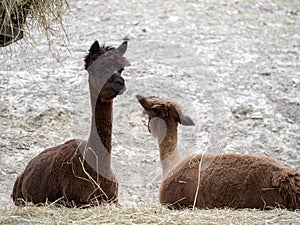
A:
(119, 86)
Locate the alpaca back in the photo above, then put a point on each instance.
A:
(230, 180)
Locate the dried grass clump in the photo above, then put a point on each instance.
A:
(19, 16)
(111, 214)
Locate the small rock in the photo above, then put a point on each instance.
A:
(265, 73)
(126, 37)
(289, 120)
(3, 173)
(256, 116)
(241, 112)
(295, 81)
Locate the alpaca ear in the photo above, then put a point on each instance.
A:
(185, 120)
(180, 116)
(95, 48)
(122, 48)
(144, 102)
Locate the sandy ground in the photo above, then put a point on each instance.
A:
(233, 65)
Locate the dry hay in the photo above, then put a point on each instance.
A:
(20, 16)
(111, 214)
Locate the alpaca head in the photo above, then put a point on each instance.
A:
(163, 114)
(105, 65)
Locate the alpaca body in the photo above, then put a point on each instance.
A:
(228, 180)
(57, 174)
(79, 172)
(231, 180)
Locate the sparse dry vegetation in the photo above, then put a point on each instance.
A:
(112, 214)
(20, 16)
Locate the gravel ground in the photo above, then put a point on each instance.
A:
(233, 65)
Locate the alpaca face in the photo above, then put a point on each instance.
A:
(154, 107)
(105, 65)
(167, 112)
(114, 86)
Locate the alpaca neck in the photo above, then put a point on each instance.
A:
(101, 126)
(169, 156)
(98, 148)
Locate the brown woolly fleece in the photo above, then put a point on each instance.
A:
(78, 173)
(232, 180)
(56, 174)
(228, 180)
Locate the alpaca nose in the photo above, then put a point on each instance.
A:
(120, 81)
(119, 85)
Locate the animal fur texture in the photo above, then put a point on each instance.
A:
(78, 173)
(215, 181)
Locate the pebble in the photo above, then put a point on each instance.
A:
(256, 116)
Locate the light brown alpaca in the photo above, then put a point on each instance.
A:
(79, 173)
(229, 180)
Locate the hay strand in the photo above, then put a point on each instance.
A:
(111, 214)
(18, 17)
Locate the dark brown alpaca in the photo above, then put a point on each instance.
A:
(229, 180)
(79, 173)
